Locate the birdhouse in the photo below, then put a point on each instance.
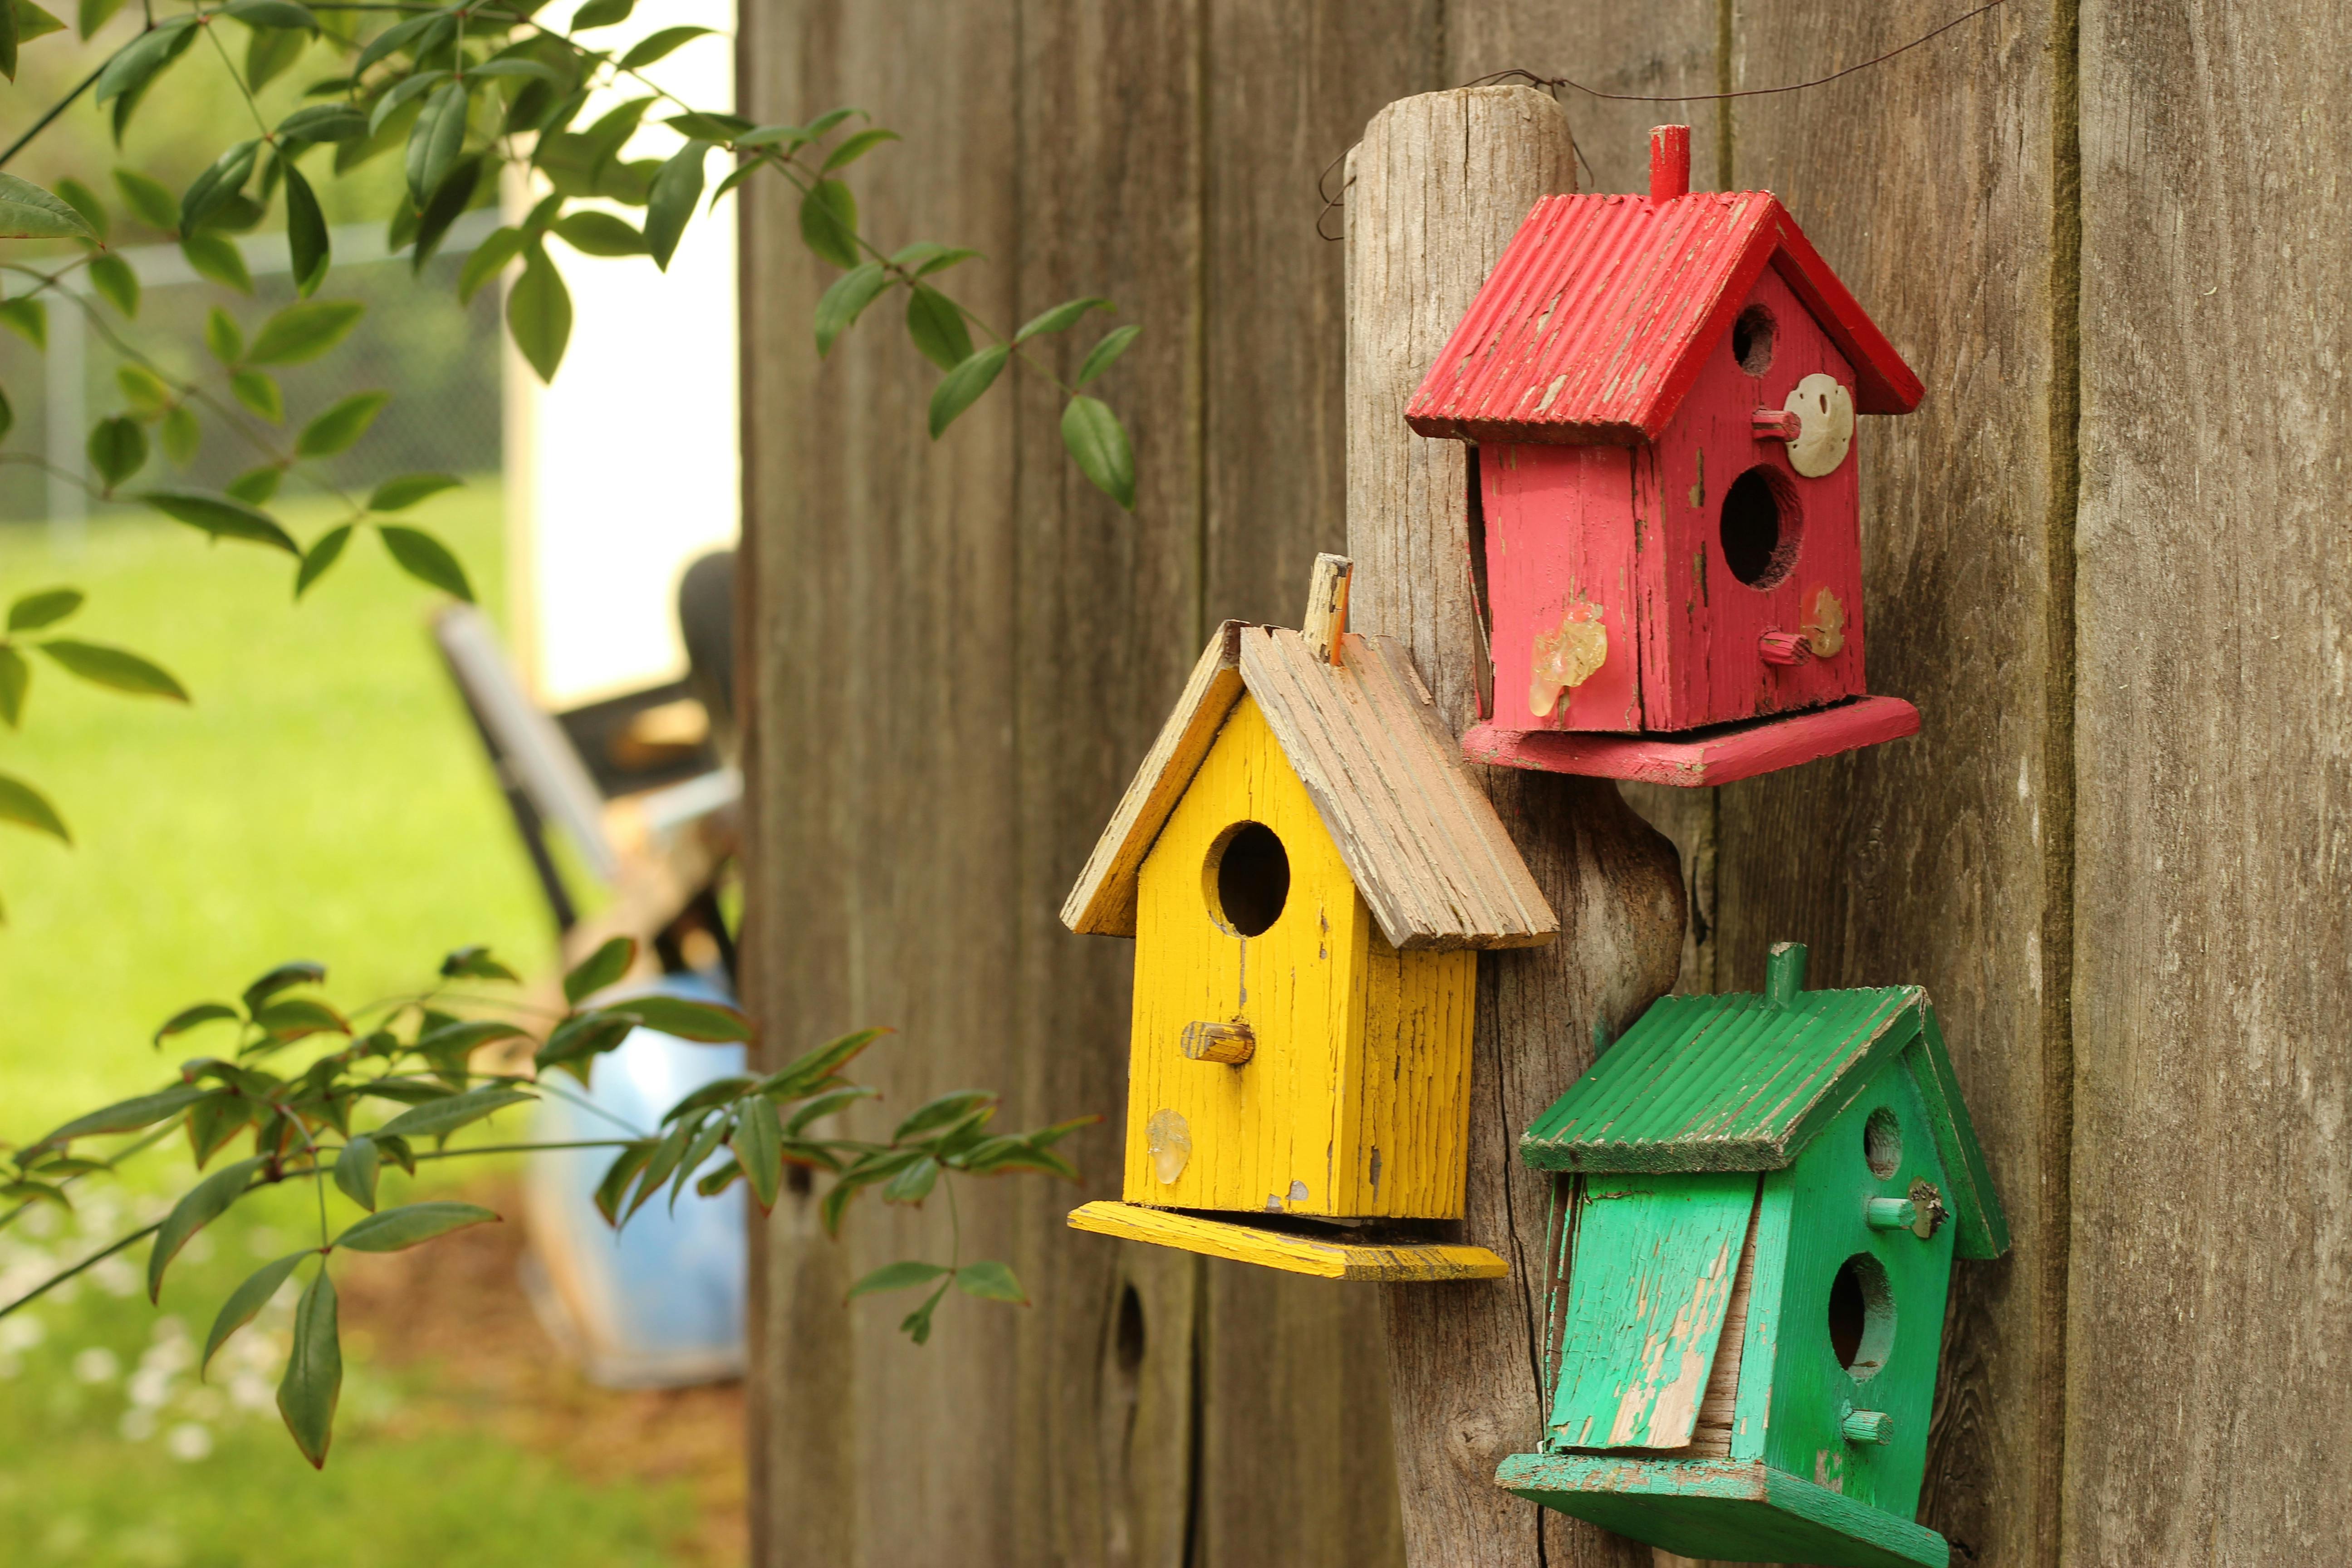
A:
(1758, 1199)
(1660, 394)
(1307, 872)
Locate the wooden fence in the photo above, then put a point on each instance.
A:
(2105, 558)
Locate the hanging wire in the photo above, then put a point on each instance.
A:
(1552, 84)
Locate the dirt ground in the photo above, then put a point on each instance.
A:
(456, 1310)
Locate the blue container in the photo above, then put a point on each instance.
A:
(660, 1303)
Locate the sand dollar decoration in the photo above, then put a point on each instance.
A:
(1824, 412)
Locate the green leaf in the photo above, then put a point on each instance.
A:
(28, 212)
(676, 190)
(217, 257)
(25, 1192)
(991, 1281)
(617, 1177)
(817, 129)
(490, 257)
(465, 1036)
(517, 64)
(320, 556)
(308, 246)
(157, 208)
(187, 1018)
(917, 1324)
(400, 494)
(341, 427)
(439, 1118)
(26, 807)
(718, 1092)
(665, 1158)
(313, 1382)
(25, 22)
(705, 1142)
(216, 1119)
(812, 1072)
(593, 232)
(284, 977)
(914, 1184)
(396, 1230)
(116, 668)
(829, 221)
(93, 15)
(198, 1208)
(135, 64)
(82, 199)
(961, 387)
(1106, 352)
(182, 435)
(928, 256)
(304, 331)
(244, 1303)
(323, 122)
(602, 14)
(46, 609)
(710, 127)
(574, 1044)
(259, 392)
(298, 1017)
(936, 324)
(270, 53)
(1061, 318)
(688, 1020)
(826, 1105)
(409, 34)
(845, 301)
(851, 149)
(932, 1115)
(8, 416)
(28, 319)
(255, 487)
(355, 1171)
(654, 45)
(760, 1147)
(116, 282)
(539, 312)
(600, 968)
(436, 140)
(15, 675)
(426, 559)
(133, 1115)
(271, 14)
(450, 200)
(224, 337)
(903, 1275)
(118, 449)
(225, 178)
(1098, 443)
(475, 963)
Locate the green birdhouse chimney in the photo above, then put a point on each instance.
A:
(1759, 1200)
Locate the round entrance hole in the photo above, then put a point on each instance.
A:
(1760, 527)
(1862, 1316)
(1751, 340)
(1249, 878)
(1881, 1143)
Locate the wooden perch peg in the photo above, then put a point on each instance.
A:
(1327, 606)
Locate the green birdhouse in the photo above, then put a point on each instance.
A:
(1757, 1202)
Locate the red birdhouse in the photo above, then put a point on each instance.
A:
(1661, 395)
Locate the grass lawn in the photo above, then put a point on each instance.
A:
(323, 798)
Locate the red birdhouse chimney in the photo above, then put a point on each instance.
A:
(1669, 161)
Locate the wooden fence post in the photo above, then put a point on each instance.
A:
(1436, 187)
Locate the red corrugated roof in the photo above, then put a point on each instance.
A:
(1596, 320)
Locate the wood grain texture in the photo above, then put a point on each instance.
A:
(1943, 860)
(1439, 184)
(2213, 980)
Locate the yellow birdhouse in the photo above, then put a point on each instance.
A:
(1307, 872)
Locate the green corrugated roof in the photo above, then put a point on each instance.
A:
(1744, 1082)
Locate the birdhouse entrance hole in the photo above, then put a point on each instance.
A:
(1249, 880)
(1761, 524)
(1881, 1143)
(1751, 340)
(1862, 1316)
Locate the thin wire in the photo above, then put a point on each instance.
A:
(1552, 84)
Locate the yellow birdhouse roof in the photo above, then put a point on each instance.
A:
(1421, 840)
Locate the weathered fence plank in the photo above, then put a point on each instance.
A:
(1440, 182)
(2211, 1295)
(1929, 182)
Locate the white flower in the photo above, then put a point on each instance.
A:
(188, 1442)
(96, 1364)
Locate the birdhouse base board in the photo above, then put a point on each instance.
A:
(1390, 1262)
(1724, 1508)
(1696, 757)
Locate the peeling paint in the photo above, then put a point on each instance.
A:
(1824, 626)
(1168, 1139)
(1567, 656)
